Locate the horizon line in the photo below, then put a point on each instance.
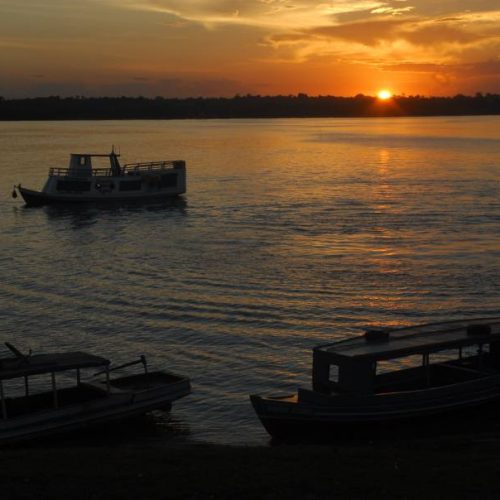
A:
(302, 95)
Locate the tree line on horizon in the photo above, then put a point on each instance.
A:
(247, 106)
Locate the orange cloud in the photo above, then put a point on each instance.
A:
(413, 39)
(417, 31)
(338, 47)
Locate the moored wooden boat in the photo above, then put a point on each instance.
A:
(35, 409)
(409, 377)
(82, 182)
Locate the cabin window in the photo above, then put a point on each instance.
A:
(446, 356)
(83, 161)
(169, 180)
(130, 185)
(484, 348)
(393, 365)
(73, 186)
(472, 356)
(333, 375)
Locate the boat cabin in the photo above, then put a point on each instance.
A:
(80, 165)
(27, 399)
(411, 358)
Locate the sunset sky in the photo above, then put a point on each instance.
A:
(180, 48)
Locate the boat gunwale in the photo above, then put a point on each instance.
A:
(39, 198)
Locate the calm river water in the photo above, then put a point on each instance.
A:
(293, 233)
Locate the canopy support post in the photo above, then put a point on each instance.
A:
(145, 363)
(108, 386)
(427, 369)
(4, 406)
(54, 390)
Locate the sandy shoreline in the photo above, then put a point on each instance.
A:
(454, 467)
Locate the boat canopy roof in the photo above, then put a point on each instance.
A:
(94, 155)
(14, 367)
(423, 339)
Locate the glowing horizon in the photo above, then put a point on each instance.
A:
(181, 48)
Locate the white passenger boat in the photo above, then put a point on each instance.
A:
(38, 398)
(408, 378)
(81, 182)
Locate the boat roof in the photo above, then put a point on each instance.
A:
(104, 155)
(14, 367)
(420, 339)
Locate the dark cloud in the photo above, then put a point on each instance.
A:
(192, 86)
(373, 32)
(365, 32)
(438, 7)
(486, 68)
(414, 67)
(483, 68)
(168, 87)
(430, 34)
(454, 78)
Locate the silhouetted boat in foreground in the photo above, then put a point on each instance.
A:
(81, 182)
(38, 398)
(395, 379)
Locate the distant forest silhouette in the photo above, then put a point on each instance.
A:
(247, 106)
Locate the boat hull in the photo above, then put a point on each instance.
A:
(432, 412)
(120, 404)
(38, 198)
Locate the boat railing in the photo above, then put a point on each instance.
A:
(141, 360)
(128, 169)
(139, 168)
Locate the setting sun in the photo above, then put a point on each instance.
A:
(384, 95)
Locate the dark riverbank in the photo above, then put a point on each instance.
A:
(460, 467)
(249, 106)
